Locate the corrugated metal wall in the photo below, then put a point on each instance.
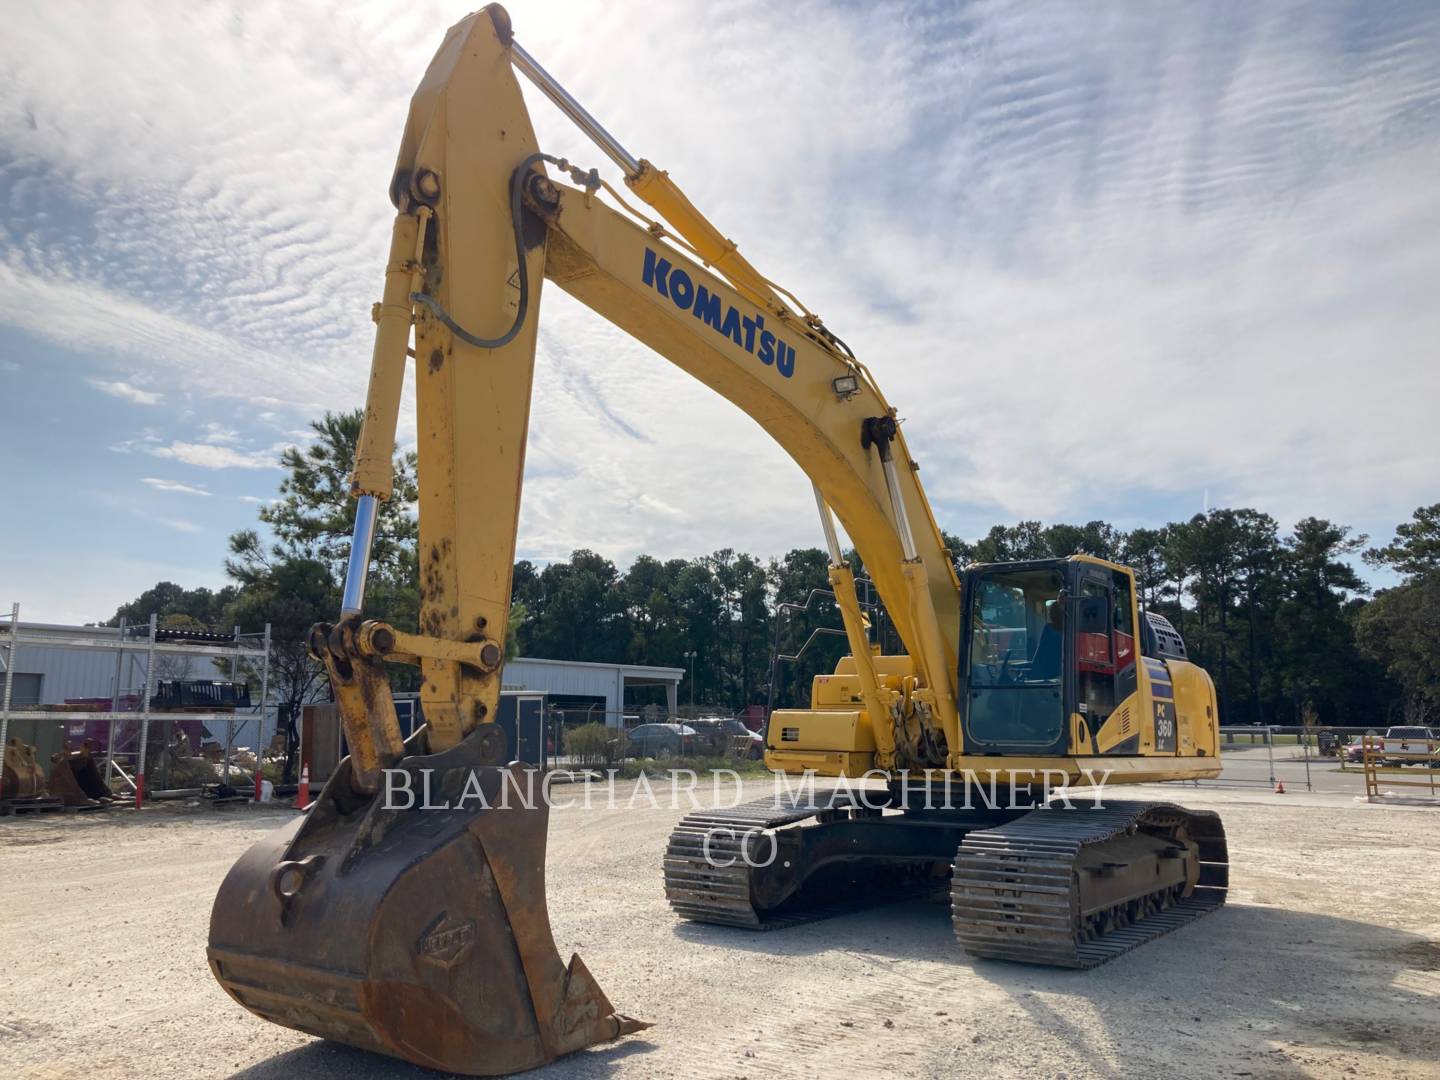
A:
(560, 679)
(565, 680)
(88, 673)
(68, 673)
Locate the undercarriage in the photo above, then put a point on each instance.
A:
(1064, 886)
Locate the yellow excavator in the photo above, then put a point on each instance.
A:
(421, 931)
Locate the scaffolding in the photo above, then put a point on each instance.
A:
(238, 648)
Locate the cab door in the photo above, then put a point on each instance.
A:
(1105, 643)
(1015, 676)
(1095, 653)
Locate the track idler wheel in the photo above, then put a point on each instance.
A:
(419, 933)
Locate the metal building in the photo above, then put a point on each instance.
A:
(580, 690)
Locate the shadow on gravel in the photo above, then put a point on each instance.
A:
(1236, 982)
(1249, 976)
(909, 930)
(324, 1060)
(1261, 973)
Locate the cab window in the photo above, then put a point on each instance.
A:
(1017, 636)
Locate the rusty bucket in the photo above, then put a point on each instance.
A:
(75, 778)
(22, 777)
(421, 933)
(87, 773)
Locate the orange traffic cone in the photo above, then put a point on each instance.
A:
(302, 797)
(1279, 787)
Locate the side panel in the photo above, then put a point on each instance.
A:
(1165, 728)
(1128, 730)
(831, 743)
(1196, 709)
(1172, 714)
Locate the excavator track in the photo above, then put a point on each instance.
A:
(1018, 891)
(701, 888)
(712, 883)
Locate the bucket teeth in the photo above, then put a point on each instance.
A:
(419, 934)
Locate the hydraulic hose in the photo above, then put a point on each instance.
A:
(517, 191)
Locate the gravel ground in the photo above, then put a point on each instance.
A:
(1326, 962)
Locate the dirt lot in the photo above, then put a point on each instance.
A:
(1325, 963)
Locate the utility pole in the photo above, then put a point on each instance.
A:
(690, 655)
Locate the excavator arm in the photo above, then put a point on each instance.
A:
(426, 935)
(479, 227)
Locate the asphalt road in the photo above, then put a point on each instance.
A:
(1252, 766)
(1249, 766)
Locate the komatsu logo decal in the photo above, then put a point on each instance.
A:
(750, 334)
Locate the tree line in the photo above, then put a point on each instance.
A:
(1285, 624)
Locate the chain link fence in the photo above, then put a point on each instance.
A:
(594, 738)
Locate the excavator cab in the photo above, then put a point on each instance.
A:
(1048, 640)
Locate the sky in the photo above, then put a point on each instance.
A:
(1120, 261)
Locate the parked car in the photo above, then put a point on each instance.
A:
(1409, 740)
(1400, 740)
(716, 735)
(662, 740)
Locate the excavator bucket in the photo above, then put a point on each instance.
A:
(413, 922)
(75, 778)
(22, 777)
(88, 776)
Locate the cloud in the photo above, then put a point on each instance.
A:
(174, 486)
(147, 439)
(211, 456)
(124, 390)
(217, 434)
(177, 524)
(1101, 262)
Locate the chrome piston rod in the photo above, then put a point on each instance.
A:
(532, 70)
(897, 504)
(361, 540)
(827, 522)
